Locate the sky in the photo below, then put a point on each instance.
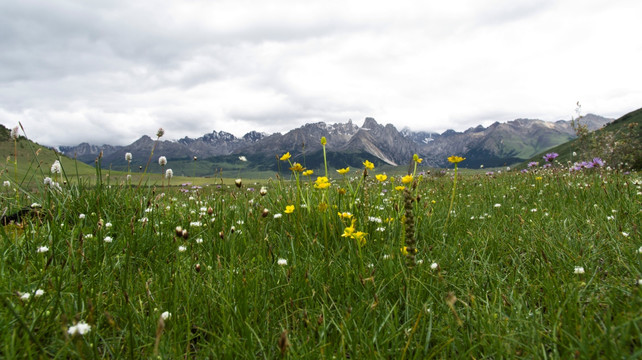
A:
(111, 71)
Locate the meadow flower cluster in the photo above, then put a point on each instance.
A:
(356, 263)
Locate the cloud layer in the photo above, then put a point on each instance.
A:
(109, 72)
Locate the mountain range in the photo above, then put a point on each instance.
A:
(349, 144)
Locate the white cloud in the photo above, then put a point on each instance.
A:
(111, 72)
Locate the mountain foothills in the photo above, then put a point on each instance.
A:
(348, 145)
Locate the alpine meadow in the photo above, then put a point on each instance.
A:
(542, 259)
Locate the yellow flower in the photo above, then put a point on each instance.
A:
(400, 188)
(456, 159)
(323, 141)
(297, 167)
(381, 177)
(368, 165)
(538, 178)
(322, 183)
(308, 172)
(360, 236)
(417, 159)
(345, 215)
(344, 171)
(349, 231)
(404, 251)
(285, 156)
(289, 209)
(406, 179)
(323, 207)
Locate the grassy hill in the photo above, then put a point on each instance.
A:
(34, 160)
(619, 144)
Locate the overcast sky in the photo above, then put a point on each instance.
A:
(110, 71)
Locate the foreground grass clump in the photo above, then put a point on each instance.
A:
(535, 265)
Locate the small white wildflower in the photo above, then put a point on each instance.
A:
(81, 328)
(381, 229)
(420, 261)
(277, 216)
(128, 157)
(162, 161)
(610, 218)
(47, 181)
(6, 183)
(199, 240)
(81, 216)
(263, 191)
(533, 210)
(55, 167)
(166, 315)
(42, 249)
(386, 257)
(625, 234)
(498, 205)
(129, 177)
(108, 225)
(108, 239)
(195, 224)
(25, 296)
(35, 205)
(88, 236)
(374, 219)
(14, 133)
(169, 173)
(242, 158)
(38, 293)
(434, 266)
(282, 261)
(640, 250)
(579, 270)
(182, 248)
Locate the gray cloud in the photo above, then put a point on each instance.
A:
(109, 72)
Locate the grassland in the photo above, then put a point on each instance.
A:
(544, 264)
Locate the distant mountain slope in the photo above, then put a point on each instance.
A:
(499, 144)
(618, 141)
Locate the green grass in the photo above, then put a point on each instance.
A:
(503, 283)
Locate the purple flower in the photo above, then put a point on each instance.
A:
(598, 162)
(524, 171)
(550, 156)
(547, 165)
(489, 173)
(533, 163)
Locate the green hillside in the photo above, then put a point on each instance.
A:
(34, 160)
(619, 144)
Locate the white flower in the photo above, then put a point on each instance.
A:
(35, 205)
(277, 216)
(579, 270)
(420, 261)
(640, 250)
(39, 293)
(195, 224)
(14, 133)
(169, 173)
(166, 315)
(625, 234)
(182, 248)
(282, 262)
(81, 329)
(199, 240)
(47, 181)
(88, 236)
(498, 205)
(386, 256)
(162, 161)
(263, 191)
(108, 239)
(55, 167)
(81, 216)
(108, 225)
(25, 296)
(434, 266)
(242, 158)
(42, 249)
(129, 177)
(128, 156)
(6, 183)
